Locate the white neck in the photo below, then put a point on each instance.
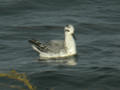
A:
(70, 44)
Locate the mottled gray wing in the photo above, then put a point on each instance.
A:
(55, 45)
(40, 46)
(52, 46)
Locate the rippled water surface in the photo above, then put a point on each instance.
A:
(97, 24)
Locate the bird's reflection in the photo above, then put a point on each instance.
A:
(61, 61)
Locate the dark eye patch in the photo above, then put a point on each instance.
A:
(67, 25)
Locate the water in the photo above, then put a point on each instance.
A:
(97, 23)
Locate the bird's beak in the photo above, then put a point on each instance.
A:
(66, 30)
(74, 36)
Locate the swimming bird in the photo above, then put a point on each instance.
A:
(57, 48)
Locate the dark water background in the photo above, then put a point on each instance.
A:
(97, 24)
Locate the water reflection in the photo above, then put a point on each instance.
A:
(72, 61)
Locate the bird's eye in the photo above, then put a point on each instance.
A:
(67, 25)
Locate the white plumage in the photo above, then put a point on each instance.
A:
(57, 48)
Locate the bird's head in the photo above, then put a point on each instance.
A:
(69, 29)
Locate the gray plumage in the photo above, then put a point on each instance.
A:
(51, 46)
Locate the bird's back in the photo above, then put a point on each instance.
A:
(56, 46)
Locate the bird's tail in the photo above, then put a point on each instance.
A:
(36, 49)
(35, 45)
(34, 42)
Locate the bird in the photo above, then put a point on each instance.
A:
(57, 48)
